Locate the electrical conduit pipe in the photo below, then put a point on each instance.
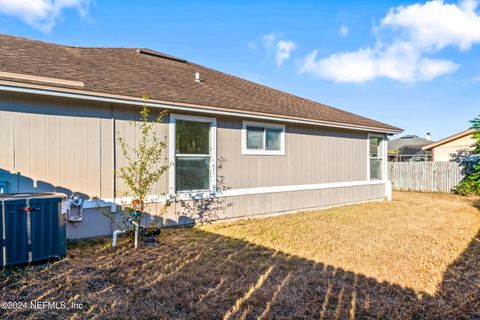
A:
(117, 232)
(115, 235)
(136, 233)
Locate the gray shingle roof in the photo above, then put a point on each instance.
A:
(408, 140)
(133, 73)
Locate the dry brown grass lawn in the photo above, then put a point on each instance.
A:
(417, 257)
(409, 242)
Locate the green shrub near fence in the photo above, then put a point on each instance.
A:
(470, 185)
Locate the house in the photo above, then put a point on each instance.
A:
(62, 109)
(443, 150)
(409, 148)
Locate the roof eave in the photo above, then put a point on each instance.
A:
(448, 139)
(106, 97)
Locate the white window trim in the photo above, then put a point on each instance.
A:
(246, 151)
(384, 147)
(171, 150)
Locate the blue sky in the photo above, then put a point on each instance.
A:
(411, 64)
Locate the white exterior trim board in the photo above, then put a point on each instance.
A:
(301, 187)
(251, 191)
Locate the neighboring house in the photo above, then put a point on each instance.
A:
(443, 150)
(260, 150)
(409, 148)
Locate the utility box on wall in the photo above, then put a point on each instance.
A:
(32, 226)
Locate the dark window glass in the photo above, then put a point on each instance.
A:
(255, 138)
(375, 147)
(273, 140)
(376, 160)
(193, 173)
(192, 137)
(376, 169)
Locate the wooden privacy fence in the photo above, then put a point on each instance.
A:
(429, 176)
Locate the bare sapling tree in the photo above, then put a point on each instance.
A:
(145, 161)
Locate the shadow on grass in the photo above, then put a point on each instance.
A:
(476, 204)
(195, 274)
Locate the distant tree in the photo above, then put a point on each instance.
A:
(396, 153)
(476, 135)
(470, 162)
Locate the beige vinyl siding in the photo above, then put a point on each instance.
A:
(68, 146)
(56, 145)
(7, 136)
(124, 115)
(313, 155)
(107, 163)
(282, 202)
(65, 145)
(444, 151)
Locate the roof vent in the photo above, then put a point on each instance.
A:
(428, 136)
(157, 54)
(197, 77)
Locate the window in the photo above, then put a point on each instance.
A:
(193, 153)
(263, 138)
(375, 147)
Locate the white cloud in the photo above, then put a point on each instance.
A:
(398, 61)
(344, 30)
(41, 14)
(435, 25)
(429, 69)
(421, 30)
(283, 50)
(269, 40)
